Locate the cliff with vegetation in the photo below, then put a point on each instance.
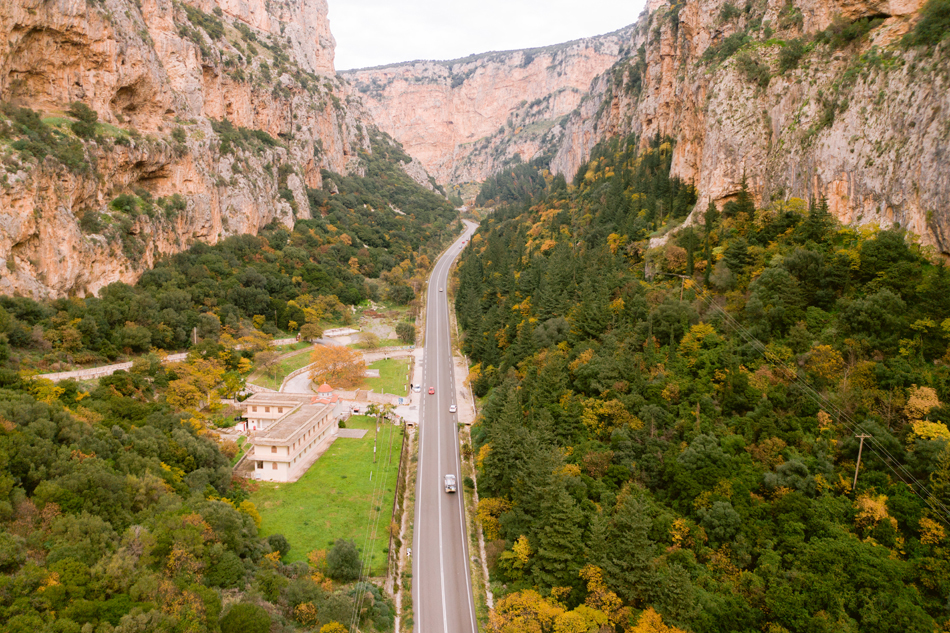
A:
(130, 129)
(802, 99)
(467, 118)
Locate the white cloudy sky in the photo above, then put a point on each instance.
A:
(376, 32)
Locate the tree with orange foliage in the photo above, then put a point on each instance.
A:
(337, 365)
(651, 622)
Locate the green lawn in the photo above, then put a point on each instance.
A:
(334, 499)
(392, 377)
(289, 364)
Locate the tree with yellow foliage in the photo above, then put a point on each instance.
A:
(651, 622)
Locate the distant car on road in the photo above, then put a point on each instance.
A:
(452, 409)
(417, 388)
(431, 390)
(440, 290)
(450, 483)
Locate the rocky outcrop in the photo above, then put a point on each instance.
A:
(467, 118)
(162, 76)
(861, 121)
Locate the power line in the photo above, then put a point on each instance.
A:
(931, 500)
(370, 535)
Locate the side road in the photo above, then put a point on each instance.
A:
(108, 370)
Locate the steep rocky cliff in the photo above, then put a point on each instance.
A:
(801, 98)
(213, 118)
(464, 119)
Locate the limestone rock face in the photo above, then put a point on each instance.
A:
(161, 75)
(864, 124)
(465, 119)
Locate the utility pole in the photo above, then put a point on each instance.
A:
(858, 465)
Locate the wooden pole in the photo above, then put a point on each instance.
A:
(858, 465)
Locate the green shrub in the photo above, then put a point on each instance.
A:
(754, 71)
(211, 25)
(840, 33)
(245, 618)
(725, 49)
(86, 117)
(279, 543)
(790, 55)
(933, 26)
(173, 205)
(343, 561)
(729, 12)
(126, 203)
(90, 222)
(36, 139)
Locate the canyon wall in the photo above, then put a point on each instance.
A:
(213, 118)
(465, 119)
(852, 114)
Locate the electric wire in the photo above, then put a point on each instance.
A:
(370, 535)
(931, 500)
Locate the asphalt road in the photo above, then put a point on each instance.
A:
(442, 584)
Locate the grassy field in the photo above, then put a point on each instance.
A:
(383, 342)
(334, 499)
(289, 364)
(392, 377)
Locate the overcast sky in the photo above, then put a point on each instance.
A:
(377, 32)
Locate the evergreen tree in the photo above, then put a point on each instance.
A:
(630, 561)
(555, 563)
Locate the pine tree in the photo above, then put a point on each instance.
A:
(555, 564)
(630, 564)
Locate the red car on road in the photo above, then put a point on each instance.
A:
(431, 390)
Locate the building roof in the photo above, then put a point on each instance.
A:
(284, 431)
(324, 388)
(274, 398)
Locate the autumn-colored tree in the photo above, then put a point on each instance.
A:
(651, 622)
(489, 509)
(333, 627)
(306, 614)
(198, 381)
(337, 365)
(920, 400)
(524, 612)
(825, 363)
(603, 417)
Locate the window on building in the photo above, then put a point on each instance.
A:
(266, 409)
(274, 466)
(273, 449)
(254, 409)
(260, 464)
(280, 409)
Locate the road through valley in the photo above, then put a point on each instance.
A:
(442, 590)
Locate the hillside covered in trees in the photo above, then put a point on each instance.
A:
(118, 509)
(670, 435)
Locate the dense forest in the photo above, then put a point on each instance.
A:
(671, 427)
(118, 509)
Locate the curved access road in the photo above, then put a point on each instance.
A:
(442, 584)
